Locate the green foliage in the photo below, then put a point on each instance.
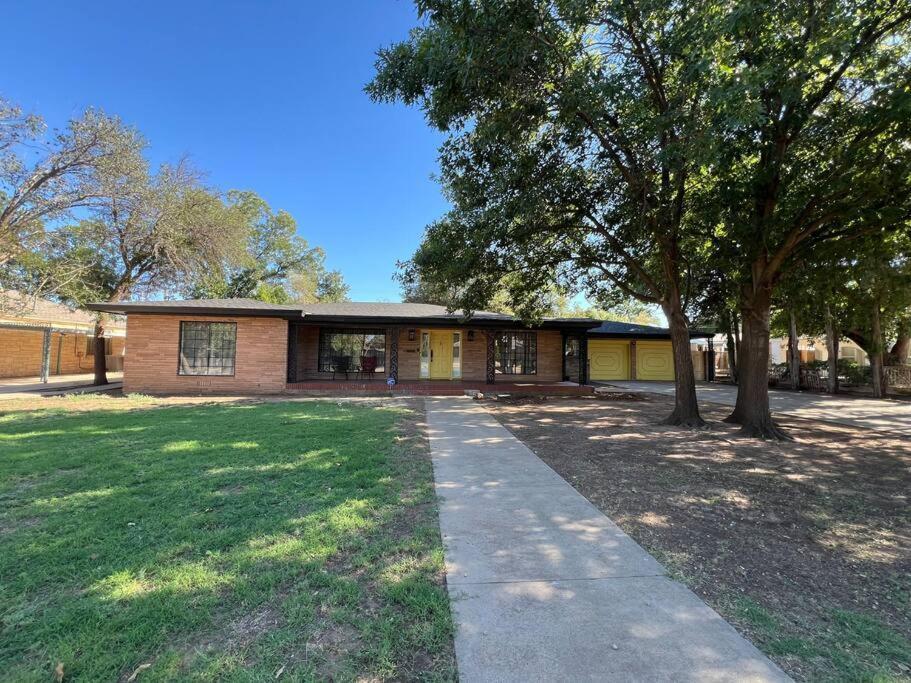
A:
(274, 263)
(217, 542)
(569, 153)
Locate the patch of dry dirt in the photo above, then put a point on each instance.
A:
(801, 528)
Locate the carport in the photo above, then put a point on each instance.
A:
(627, 351)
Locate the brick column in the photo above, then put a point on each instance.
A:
(632, 359)
(491, 368)
(394, 353)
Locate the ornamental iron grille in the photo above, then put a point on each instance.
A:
(516, 353)
(207, 348)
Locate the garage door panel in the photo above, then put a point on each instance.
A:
(654, 361)
(608, 360)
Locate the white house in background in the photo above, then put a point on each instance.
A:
(811, 349)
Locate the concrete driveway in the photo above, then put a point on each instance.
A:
(877, 414)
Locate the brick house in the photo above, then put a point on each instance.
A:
(39, 336)
(242, 346)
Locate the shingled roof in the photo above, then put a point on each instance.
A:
(348, 311)
(614, 328)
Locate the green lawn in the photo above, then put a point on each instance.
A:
(234, 541)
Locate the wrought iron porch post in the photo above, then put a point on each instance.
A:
(394, 353)
(491, 369)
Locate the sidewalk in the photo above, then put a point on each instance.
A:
(544, 587)
(29, 387)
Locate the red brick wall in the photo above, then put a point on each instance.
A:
(150, 364)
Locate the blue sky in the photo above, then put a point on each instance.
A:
(263, 96)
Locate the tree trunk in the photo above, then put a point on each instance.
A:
(736, 325)
(793, 351)
(752, 408)
(100, 365)
(729, 343)
(832, 351)
(686, 407)
(876, 352)
(902, 347)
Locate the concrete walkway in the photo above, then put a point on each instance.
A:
(28, 387)
(544, 587)
(857, 411)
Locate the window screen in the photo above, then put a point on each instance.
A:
(207, 348)
(516, 353)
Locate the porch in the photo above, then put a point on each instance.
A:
(431, 387)
(429, 357)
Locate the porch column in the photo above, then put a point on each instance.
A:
(292, 352)
(491, 368)
(394, 353)
(583, 359)
(46, 355)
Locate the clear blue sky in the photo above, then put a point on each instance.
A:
(263, 96)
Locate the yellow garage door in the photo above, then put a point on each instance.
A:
(608, 359)
(654, 360)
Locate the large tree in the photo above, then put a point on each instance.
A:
(275, 265)
(815, 111)
(152, 233)
(576, 130)
(45, 176)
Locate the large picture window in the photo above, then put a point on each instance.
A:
(207, 348)
(516, 353)
(351, 350)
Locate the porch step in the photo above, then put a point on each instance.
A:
(322, 388)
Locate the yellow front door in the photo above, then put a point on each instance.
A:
(440, 355)
(608, 359)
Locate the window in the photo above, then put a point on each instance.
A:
(207, 348)
(457, 355)
(348, 347)
(516, 353)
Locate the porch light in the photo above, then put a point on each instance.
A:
(411, 335)
(470, 335)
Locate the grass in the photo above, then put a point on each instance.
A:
(237, 541)
(856, 646)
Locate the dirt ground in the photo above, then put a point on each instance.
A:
(804, 546)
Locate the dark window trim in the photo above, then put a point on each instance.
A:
(530, 335)
(180, 347)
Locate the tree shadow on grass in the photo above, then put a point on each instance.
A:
(154, 535)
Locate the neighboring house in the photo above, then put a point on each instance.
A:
(243, 346)
(32, 330)
(810, 349)
(814, 349)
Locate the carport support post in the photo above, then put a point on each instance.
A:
(710, 361)
(583, 359)
(46, 356)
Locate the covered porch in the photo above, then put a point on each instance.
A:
(432, 357)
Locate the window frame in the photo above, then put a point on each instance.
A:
(325, 332)
(208, 324)
(530, 352)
